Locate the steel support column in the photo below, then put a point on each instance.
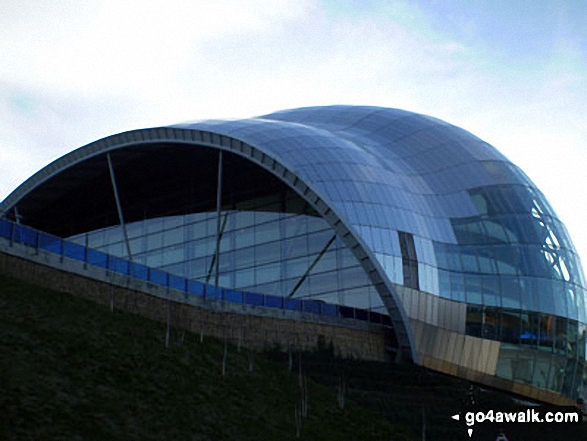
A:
(118, 206)
(218, 224)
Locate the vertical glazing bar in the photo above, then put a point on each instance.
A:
(87, 245)
(218, 207)
(15, 226)
(118, 206)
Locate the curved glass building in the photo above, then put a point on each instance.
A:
(380, 209)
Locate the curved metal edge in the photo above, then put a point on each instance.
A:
(261, 158)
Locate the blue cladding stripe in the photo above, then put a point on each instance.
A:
(74, 251)
(159, 277)
(231, 295)
(50, 243)
(329, 310)
(177, 282)
(254, 299)
(292, 304)
(311, 306)
(119, 265)
(25, 235)
(214, 292)
(5, 228)
(140, 271)
(274, 302)
(97, 258)
(196, 288)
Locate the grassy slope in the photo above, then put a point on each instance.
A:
(70, 369)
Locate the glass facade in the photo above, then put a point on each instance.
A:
(281, 254)
(462, 239)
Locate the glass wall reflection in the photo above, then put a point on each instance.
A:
(285, 254)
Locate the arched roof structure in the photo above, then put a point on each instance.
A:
(385, 179)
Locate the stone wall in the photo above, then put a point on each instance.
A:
(249, 326)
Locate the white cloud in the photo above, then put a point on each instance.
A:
(131, 47)
(88, 69)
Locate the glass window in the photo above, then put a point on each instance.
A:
(457, 287)
(173, 255)
(96, 239)
(318, 242)
(546, 333)
(541, 370)
(267, 232)
(411, 277)
(198, 268)
(511, 292)
(487, 264)
(530, 329)
(346, 257)
(571, 300)
(491, 290)
(581, 307)
(510, 326)
(491, 323)
(441, 258)
(557, 373)
(582, 341)
(474, 324)
(154, 225)
(353, 277)
(327, 261)
(444, 284)
(295, 247)
(560, 298)
(117, 249)
(323, 282)
(296, 226)
(530, 231)
(244, 219)
(474, 289)
(494, 232)
(529, 293)
(561, 336)
(268, 273)
(172, 237)
(204, 247)
(453, 258)
(227, 241)
(244, 278)
(469, 261)
(226, 262)
(268, 252)
(245, 237)
(244, 258)
(573, 336)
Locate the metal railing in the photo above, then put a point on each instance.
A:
(38, 240)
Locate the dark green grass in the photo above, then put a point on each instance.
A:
(71, 369)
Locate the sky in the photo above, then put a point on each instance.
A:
(514, 73)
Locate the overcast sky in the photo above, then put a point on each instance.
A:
(513, 73)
